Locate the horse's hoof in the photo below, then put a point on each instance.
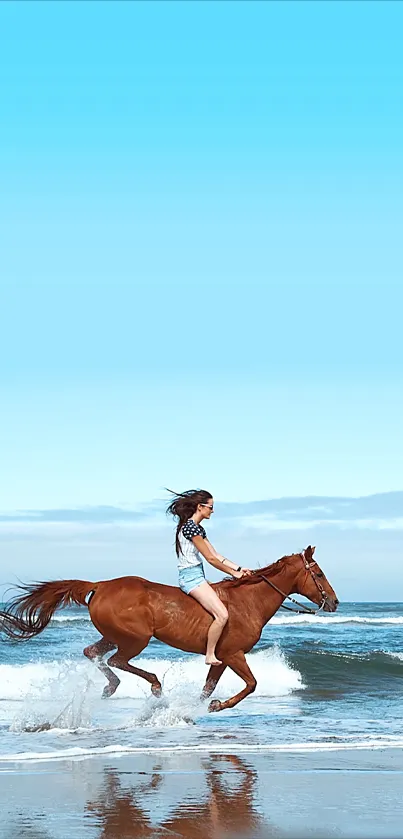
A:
(34, 729)
(109, 690)
(215, 705)
(156, 690)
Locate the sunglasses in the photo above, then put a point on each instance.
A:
(210, 506)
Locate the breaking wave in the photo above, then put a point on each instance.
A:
(275, 676)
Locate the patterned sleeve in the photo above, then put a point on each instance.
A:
(191, 529)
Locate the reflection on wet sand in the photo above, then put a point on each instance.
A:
(25, 827)
(227, 808)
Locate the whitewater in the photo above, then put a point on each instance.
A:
(324, 683)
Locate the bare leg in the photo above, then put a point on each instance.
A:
(94, 653)
(213, 636)
(238, 664)
(206, 596)
(214, 675)
(121, 660)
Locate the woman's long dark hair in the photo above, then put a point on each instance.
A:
(183, 506)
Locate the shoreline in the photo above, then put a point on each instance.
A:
(77, 753)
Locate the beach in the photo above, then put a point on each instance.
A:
(188, 794)
(201, 373)
(316, 751)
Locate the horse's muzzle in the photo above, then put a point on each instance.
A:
(330, 604)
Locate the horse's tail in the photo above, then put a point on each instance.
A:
(29, 613)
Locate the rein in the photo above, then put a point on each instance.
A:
(303, 610)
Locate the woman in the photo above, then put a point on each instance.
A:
(190, 508)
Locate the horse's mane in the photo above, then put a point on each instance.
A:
(255, 577)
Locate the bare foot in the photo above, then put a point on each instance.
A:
(212, 660)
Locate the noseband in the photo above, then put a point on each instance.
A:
(302, 610)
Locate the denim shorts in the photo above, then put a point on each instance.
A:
(190, 578)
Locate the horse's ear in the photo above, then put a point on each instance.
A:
(310, 550)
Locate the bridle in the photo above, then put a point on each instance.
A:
(303, 610)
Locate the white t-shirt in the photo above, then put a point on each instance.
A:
(190, 556)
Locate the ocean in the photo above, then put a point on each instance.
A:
(324, 683)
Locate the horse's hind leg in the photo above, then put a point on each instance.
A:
(94, 653)
(121, 658)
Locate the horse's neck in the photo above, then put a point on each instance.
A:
(270, 599)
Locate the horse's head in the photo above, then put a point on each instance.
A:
(313, 584)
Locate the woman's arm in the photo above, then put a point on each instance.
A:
(216, 560)
(226, 562)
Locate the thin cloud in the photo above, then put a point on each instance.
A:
(85, 515)
(313, 508)
(381, 511)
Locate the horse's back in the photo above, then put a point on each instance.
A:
(126, 593)
(133, 581)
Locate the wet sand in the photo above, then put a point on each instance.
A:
(184, 794)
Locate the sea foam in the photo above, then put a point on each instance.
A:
(275, 677)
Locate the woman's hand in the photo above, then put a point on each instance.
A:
(244, 572)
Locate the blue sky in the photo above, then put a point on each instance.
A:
(201, 261)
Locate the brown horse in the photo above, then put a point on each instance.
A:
(129, 611)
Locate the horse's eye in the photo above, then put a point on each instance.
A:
(319, 574)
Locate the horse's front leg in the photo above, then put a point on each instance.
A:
(238, 664)
(213, 677)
